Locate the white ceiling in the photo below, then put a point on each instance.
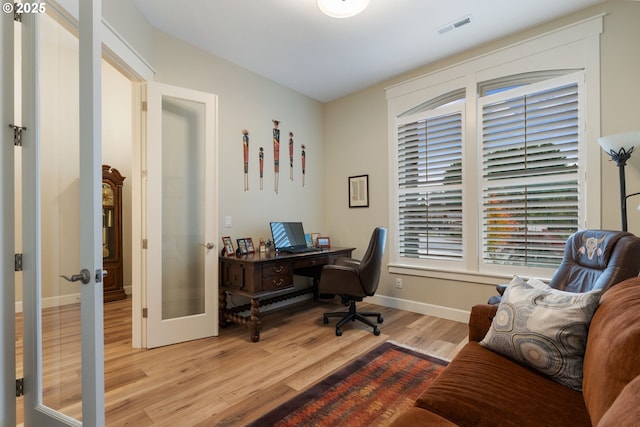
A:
(291, 42)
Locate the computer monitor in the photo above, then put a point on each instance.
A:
(287, 236)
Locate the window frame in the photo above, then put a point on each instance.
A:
(574, 47)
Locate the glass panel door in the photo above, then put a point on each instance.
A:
(181, 215)
(61, 178)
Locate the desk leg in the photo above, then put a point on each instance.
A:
(255, 325)
(222, 307)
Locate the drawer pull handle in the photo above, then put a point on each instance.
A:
(278, 269)
(277, 283)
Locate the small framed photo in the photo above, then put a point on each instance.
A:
(248, 241)
(324, 242)
(314, 239)
(242, 246)
(359, 191)
(228, 246)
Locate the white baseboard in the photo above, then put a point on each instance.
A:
(385, 301)
(61, 300)
(421, 308)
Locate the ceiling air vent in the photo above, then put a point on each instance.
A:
(455, 25)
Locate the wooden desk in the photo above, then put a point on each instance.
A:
(266, 278)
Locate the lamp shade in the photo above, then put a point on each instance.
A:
(342, 8)
(622, 141)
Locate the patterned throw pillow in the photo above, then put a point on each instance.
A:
(544, 328)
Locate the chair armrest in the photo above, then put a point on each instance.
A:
(348, 262)
(480, 321)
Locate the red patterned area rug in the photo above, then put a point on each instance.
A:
(371, 391)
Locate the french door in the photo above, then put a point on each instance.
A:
(180, 182)
(61, 222)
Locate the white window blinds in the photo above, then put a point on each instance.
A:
(530, 180)
(430, 184)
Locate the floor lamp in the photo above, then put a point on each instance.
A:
(619, 147)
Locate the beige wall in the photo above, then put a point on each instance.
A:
(248, 101)
(356, 141)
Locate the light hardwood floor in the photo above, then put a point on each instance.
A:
(225, 380)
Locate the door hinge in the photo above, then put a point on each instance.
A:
(17, 16)
(144, 243)
(17, 262)
(144, 313)
(19, 387)
(17, 134)
(144, 105)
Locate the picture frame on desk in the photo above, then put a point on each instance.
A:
(249, 244)
(314, 239)
(242, 246)
(227, 244)
(324, 242)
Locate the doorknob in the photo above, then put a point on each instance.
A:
(83, 277)
(209, 245)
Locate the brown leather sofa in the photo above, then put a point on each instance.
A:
(482, 388)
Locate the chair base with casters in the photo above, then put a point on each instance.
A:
(353, 280)
(353, 315)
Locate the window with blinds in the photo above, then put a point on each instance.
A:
(430, 184)
(530, 180)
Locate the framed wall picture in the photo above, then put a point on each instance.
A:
(228, 246)
(359, 191)
(242, 246)
(324, 242)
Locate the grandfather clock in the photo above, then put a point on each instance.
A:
(113, 285)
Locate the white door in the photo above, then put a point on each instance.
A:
(181, 261)
(61, 218)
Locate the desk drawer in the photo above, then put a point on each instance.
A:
(313, 262)
(276, 269)
(276, 282)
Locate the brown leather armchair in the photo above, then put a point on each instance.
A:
(353, 280)
(593, 259)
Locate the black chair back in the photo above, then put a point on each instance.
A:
(371, 262)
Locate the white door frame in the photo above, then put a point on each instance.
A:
(7, 226)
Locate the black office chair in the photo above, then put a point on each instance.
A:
(353, 280)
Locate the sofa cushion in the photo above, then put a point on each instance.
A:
(612, 358)
(482, 388)
(544, 328)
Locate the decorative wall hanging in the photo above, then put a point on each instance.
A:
(276, 152)
(245, 151)
(291, 156)
(359, 191)
(304, 159)
(261, 161)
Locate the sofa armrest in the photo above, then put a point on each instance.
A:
(480, 321)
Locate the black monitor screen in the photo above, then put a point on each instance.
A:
(287, 235)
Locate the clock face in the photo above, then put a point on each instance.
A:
(107, 195)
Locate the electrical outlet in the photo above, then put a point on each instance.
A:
(398, 283)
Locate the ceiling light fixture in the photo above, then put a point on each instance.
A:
(342, 8)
